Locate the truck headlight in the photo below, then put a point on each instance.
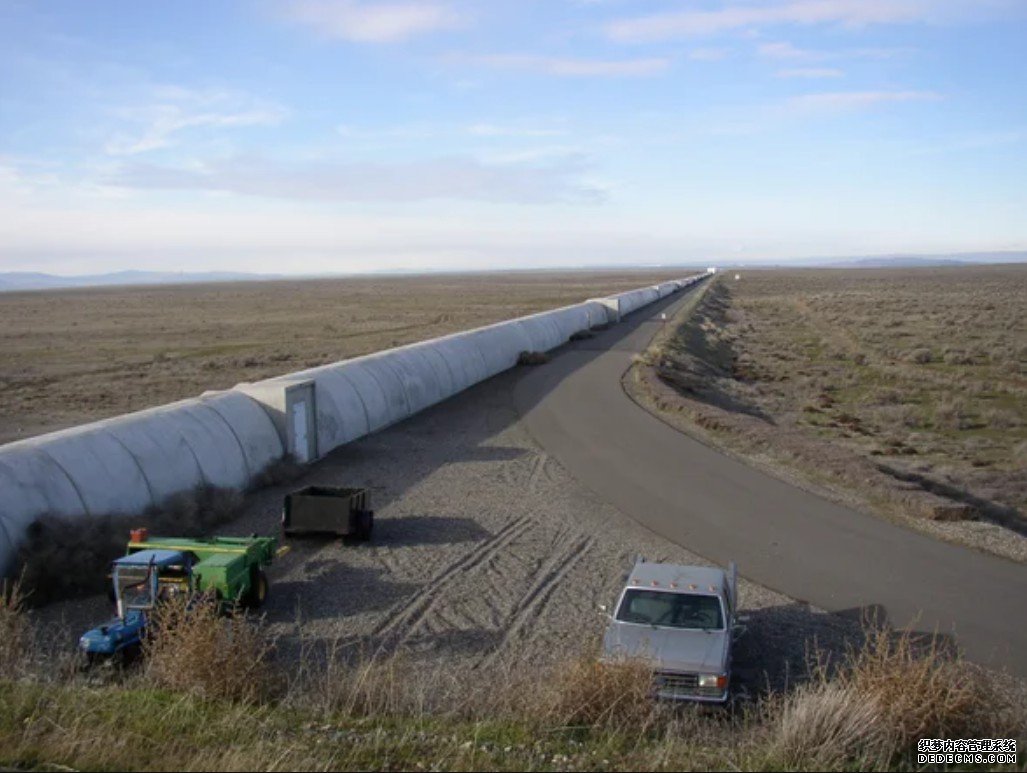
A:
(713, 680)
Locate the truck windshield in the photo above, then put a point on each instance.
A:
(134, 589)
(671, 610)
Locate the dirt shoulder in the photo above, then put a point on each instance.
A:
(797, 376)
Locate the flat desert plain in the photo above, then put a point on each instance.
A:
(73, 356)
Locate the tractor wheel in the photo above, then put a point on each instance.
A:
(259, 590)
(365, 525)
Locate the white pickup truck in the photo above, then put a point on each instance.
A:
(681, 620)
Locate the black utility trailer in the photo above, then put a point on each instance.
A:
(343, 512)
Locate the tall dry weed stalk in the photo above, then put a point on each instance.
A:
(191, 648)
(15, 630)
(612, 696)
(894, 690)
(579, 692)
(923, 688)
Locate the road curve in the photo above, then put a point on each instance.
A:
(782, 537)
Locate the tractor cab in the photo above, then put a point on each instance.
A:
(140, 581)
(143, 578)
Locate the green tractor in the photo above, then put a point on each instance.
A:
(227, 569)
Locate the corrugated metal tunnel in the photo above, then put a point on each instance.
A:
(129, 463)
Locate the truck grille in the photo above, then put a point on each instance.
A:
(666, 681)
(671, 685)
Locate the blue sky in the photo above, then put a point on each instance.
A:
(305, 136)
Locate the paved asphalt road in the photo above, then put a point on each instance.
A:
(782, 537)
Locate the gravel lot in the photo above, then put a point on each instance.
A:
(486, 552)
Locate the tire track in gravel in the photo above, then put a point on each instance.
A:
(536, 478)
(416, 609)
(537, 471)
(538, 595)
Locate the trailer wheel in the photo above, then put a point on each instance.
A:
(259, 590)
(365, 525)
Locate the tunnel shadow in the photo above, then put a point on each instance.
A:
(408, 530)
(333, 589)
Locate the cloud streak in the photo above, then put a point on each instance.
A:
(452, 177)
(373, 22)
(843, 101)
(177, 110)
(850, 13)
(810, 72)
(573, 67)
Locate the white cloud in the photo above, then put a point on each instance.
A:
(373, 22)
(840, 101)
(709, 54)
(176, 109)
(441, 178)
(573, 67)
(852, 13)
(810, 72)
(496, 130)
(787, 51)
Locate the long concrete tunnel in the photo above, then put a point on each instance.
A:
(124, 465)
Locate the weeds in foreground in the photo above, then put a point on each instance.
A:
(210, 695)
(193, 649)
(896, 689)
(15, 630)
(922, 689)
(827, 724)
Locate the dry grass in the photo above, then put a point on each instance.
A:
(15, 631)
(895, 690)
(193, 649)
(617, 697)
(823, 726)
(898, 391)
(921, 690)
(577, 692)
(209, 697)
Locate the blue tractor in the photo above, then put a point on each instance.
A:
(157, 569)
(139, 581)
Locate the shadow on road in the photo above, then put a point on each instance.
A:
(783, 644)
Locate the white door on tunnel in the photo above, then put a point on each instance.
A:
(301, 422)
(301, 445)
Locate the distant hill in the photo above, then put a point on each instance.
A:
(900, 262)
(27, 280)
(897, 261)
